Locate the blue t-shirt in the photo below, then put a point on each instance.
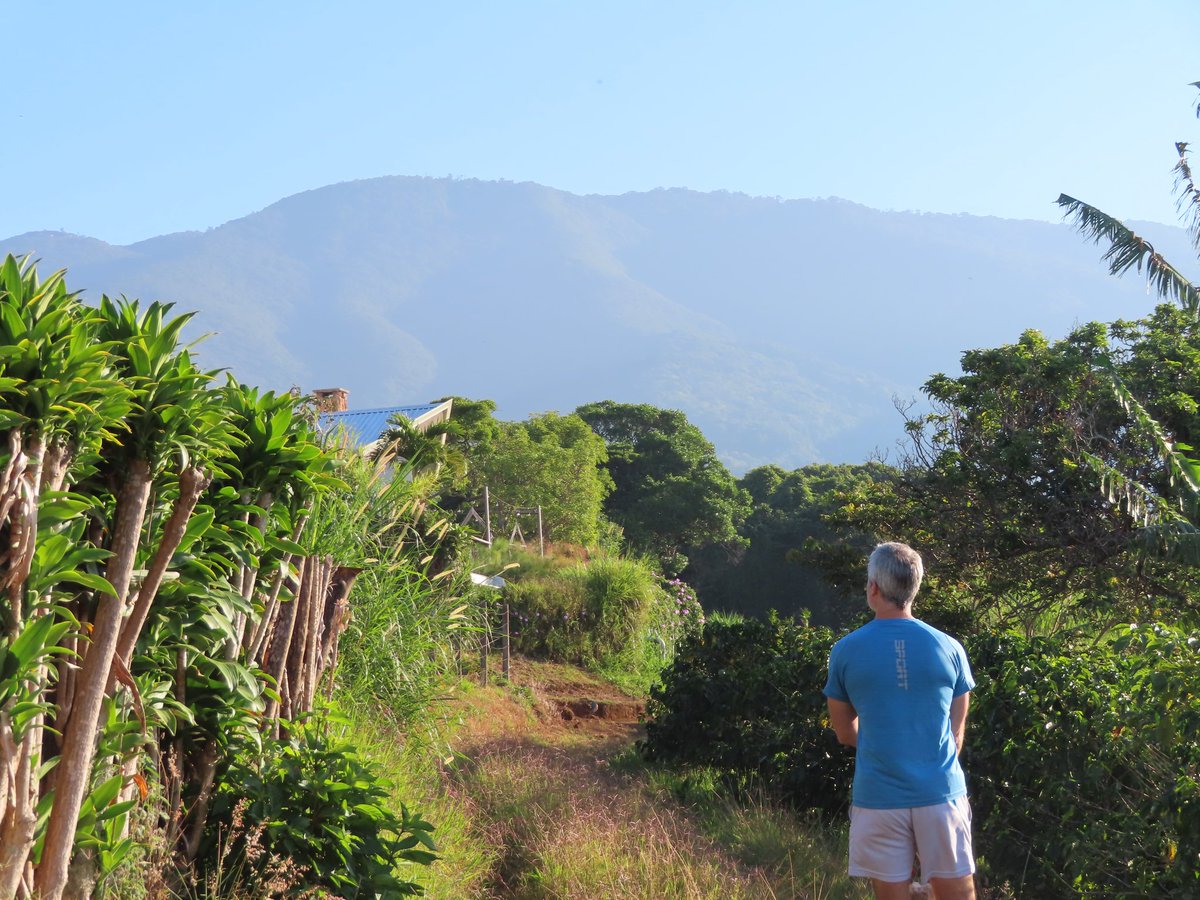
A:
(900, 675)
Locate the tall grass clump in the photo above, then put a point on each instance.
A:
(408, 600)
(519, 563)
(798, 856)
(414, 759)
(614, 616)
(568, 826)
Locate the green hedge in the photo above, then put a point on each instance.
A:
(612, 615)
(1082, 762)
(1082, 757)
(745, 699)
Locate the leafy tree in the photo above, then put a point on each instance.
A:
(59, 396)
(774, 570)
(476, 424)
(1157, 389)
(1048, 469)
(671, 491)
(998, 492)
(428, 450)
(138, 507)
(552, 461)
(176, 425)
(1172, 516)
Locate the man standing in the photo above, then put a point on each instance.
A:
(898, 692)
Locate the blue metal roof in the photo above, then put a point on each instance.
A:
(364, 426)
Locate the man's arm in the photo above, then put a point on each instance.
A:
(844, 720)
(958, 718)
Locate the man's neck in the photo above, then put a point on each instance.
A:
(885, 608)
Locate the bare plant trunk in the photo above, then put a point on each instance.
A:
(316, 619)
(192, 484)
(79, 741)
(19, 821)
(20, 759)
(239, 583)
(82, 875)
(275, 661)
(173, 774)
(295, 651)
(336, 615)
(198, 815)
(55, 466)
(258, 635)
(68, 675)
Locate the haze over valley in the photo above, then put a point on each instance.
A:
(784, 329)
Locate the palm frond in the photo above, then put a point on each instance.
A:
(1127, 250)
(1177, 540)
(1167, 526)
(1147, 508)
(1187, 195)
(1182, 470)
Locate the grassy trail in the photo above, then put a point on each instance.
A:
(547, 781)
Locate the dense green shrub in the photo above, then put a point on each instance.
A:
(1083, 763)
(612, 615)
(586, 613)
(744, 698)
(1083, 759)
(311, 799)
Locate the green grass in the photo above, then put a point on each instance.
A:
(414, 762)
(539, 812)
(516, 562)
(567, 826)
(799, 858)
(721, 617)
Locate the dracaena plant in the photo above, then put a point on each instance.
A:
(59, 397)
(175, 425)
(278, 469)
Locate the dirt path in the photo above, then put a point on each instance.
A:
(546, 765)
(551, 702)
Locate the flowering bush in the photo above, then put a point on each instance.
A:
(680, 616)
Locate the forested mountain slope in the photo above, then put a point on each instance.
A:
(782, 328)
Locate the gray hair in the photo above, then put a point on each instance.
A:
(897, 571)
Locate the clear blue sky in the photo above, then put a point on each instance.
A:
(126, 120)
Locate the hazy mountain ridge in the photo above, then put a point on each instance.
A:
(783, 328)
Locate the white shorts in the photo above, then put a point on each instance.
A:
(883, 842)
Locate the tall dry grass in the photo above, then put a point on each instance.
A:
(568, 824)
